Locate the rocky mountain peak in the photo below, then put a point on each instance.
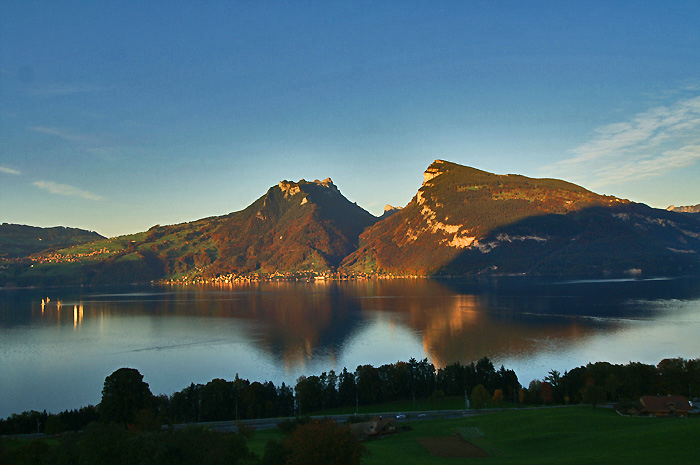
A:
(434, 170)
(290, 188)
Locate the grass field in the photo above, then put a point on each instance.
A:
(571, 435)
(558, 436)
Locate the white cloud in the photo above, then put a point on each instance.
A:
(649, 144)
(8, 170)
(62, 133)
(65, 189)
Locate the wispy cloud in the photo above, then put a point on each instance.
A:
(61, 133)
(649, 144)
(96, 144)
(6, 170)
(65, 189)
(58, 89)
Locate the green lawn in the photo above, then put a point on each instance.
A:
(257, 444)
(553, 436)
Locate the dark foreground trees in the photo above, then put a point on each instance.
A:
(112, 444)
(323, 442)
(314, 441)
(124, 394)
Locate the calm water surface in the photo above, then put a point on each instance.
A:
(57, 357)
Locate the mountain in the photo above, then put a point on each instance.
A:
(462, 221)
(295, 227)
(18, 240)
(468, 221)
(693, 210)
(388, 211)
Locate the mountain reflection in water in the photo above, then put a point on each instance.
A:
(281, 330)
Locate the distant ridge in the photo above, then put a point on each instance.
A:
(468, 221)
(17, 240)
(462, 221)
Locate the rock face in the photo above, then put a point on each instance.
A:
(687, 209)
(388, 211)
(466, 221)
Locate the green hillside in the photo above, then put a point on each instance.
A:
(304, 226)
(18, 240)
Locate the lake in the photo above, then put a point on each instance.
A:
(56, 357)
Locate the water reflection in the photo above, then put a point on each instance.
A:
(278, 331)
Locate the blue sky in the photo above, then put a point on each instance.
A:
(115, 116)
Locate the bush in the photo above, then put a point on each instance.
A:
(323, 442)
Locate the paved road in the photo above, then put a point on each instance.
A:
(270, 423)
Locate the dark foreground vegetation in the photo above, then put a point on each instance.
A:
(127, 425)
(127, 399)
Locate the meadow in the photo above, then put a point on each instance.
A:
(567, 435)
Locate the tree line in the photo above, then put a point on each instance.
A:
(127, 399)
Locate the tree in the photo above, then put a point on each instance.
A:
(123, 395)
(323, 442)
(554, 379)
(546, 392)
(593, 394)
(347, 390)
(522, 395)
(497, 396)
(218, 400)
(480, 396)
(368, 384)
(330, 391)
(573, 382)
(309, 394)
(485, 373)
(673, 374)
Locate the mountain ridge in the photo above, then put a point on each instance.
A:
(456, 208)
(462, 221)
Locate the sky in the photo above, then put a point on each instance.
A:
(116, 116)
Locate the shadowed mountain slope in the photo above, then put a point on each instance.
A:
(467, 221)
(18, 240)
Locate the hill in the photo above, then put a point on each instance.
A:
(295, 227)
(18, 240)
(467, 221)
